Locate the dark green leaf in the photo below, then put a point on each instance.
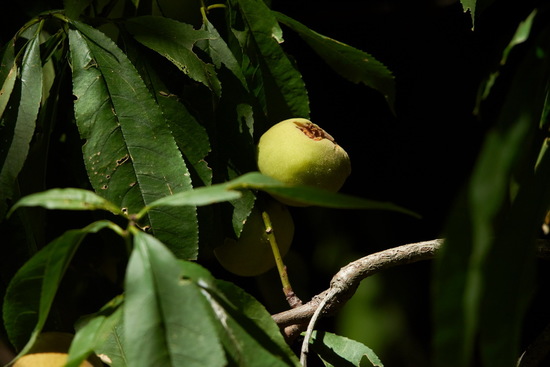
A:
(521, 35)
(355, 65)
(31, 291)
(274, 64)
(479, 301)
(94, 331)
(336, 350)
(130, 154)
(73, 8)
(192, 138)
(17, 127)
(175, 40)
(66, 199)
(166, 318)
(247, 331)
(220, 53)
(8, 74)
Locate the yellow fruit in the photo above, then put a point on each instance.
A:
(46, 360)
(251, 254)
(50, 350)
(298, 152)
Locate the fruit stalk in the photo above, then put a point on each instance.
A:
(287, 288)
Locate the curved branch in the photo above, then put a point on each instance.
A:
(345, 282)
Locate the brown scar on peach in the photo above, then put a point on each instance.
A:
(313, 131)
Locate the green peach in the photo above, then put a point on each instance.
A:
(251, 254)
(299, 152)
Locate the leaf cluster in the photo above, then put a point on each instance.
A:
(136, 122)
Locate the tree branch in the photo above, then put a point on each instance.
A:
(345, 282)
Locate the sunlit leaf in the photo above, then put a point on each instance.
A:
(336, 350)
(166, 318)
(309, 195)
(130, 154)
(256, 181)
(66, 199)
(31, 291)
(355, 65)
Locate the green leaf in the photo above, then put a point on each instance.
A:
(175, 40)
(198, 197)
(94, 331)
(247, 331)
(280, 78)
(8, 74)
(166, 318)
(337, 350)
(220, 53)
(113, 348)
(73, 8)
(470, 5)
(130, 154)
(66, 199)
(479, 302)
(522, 33)
(256, 181)
(309, 195)
(191, 137)
(31, 291)
(17, 127)
(355, 65)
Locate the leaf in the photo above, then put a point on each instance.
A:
(191, 137)
(66, 199)
(479, 303)
(175, 40)
(470, 5)
(520, 36)
(130, 154)
(94, 331)
(17, 127)
(475, 7)
(112, 350)
(309, 195)
(277, 69)
(256, 181)
(8, 74)
(166, 319)
(198, 197)
(338, 351)
(355, 65)
(220, 53)
(74, 8)
(31, 291)
(247, 331)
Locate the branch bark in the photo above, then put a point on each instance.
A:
(345, 282)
